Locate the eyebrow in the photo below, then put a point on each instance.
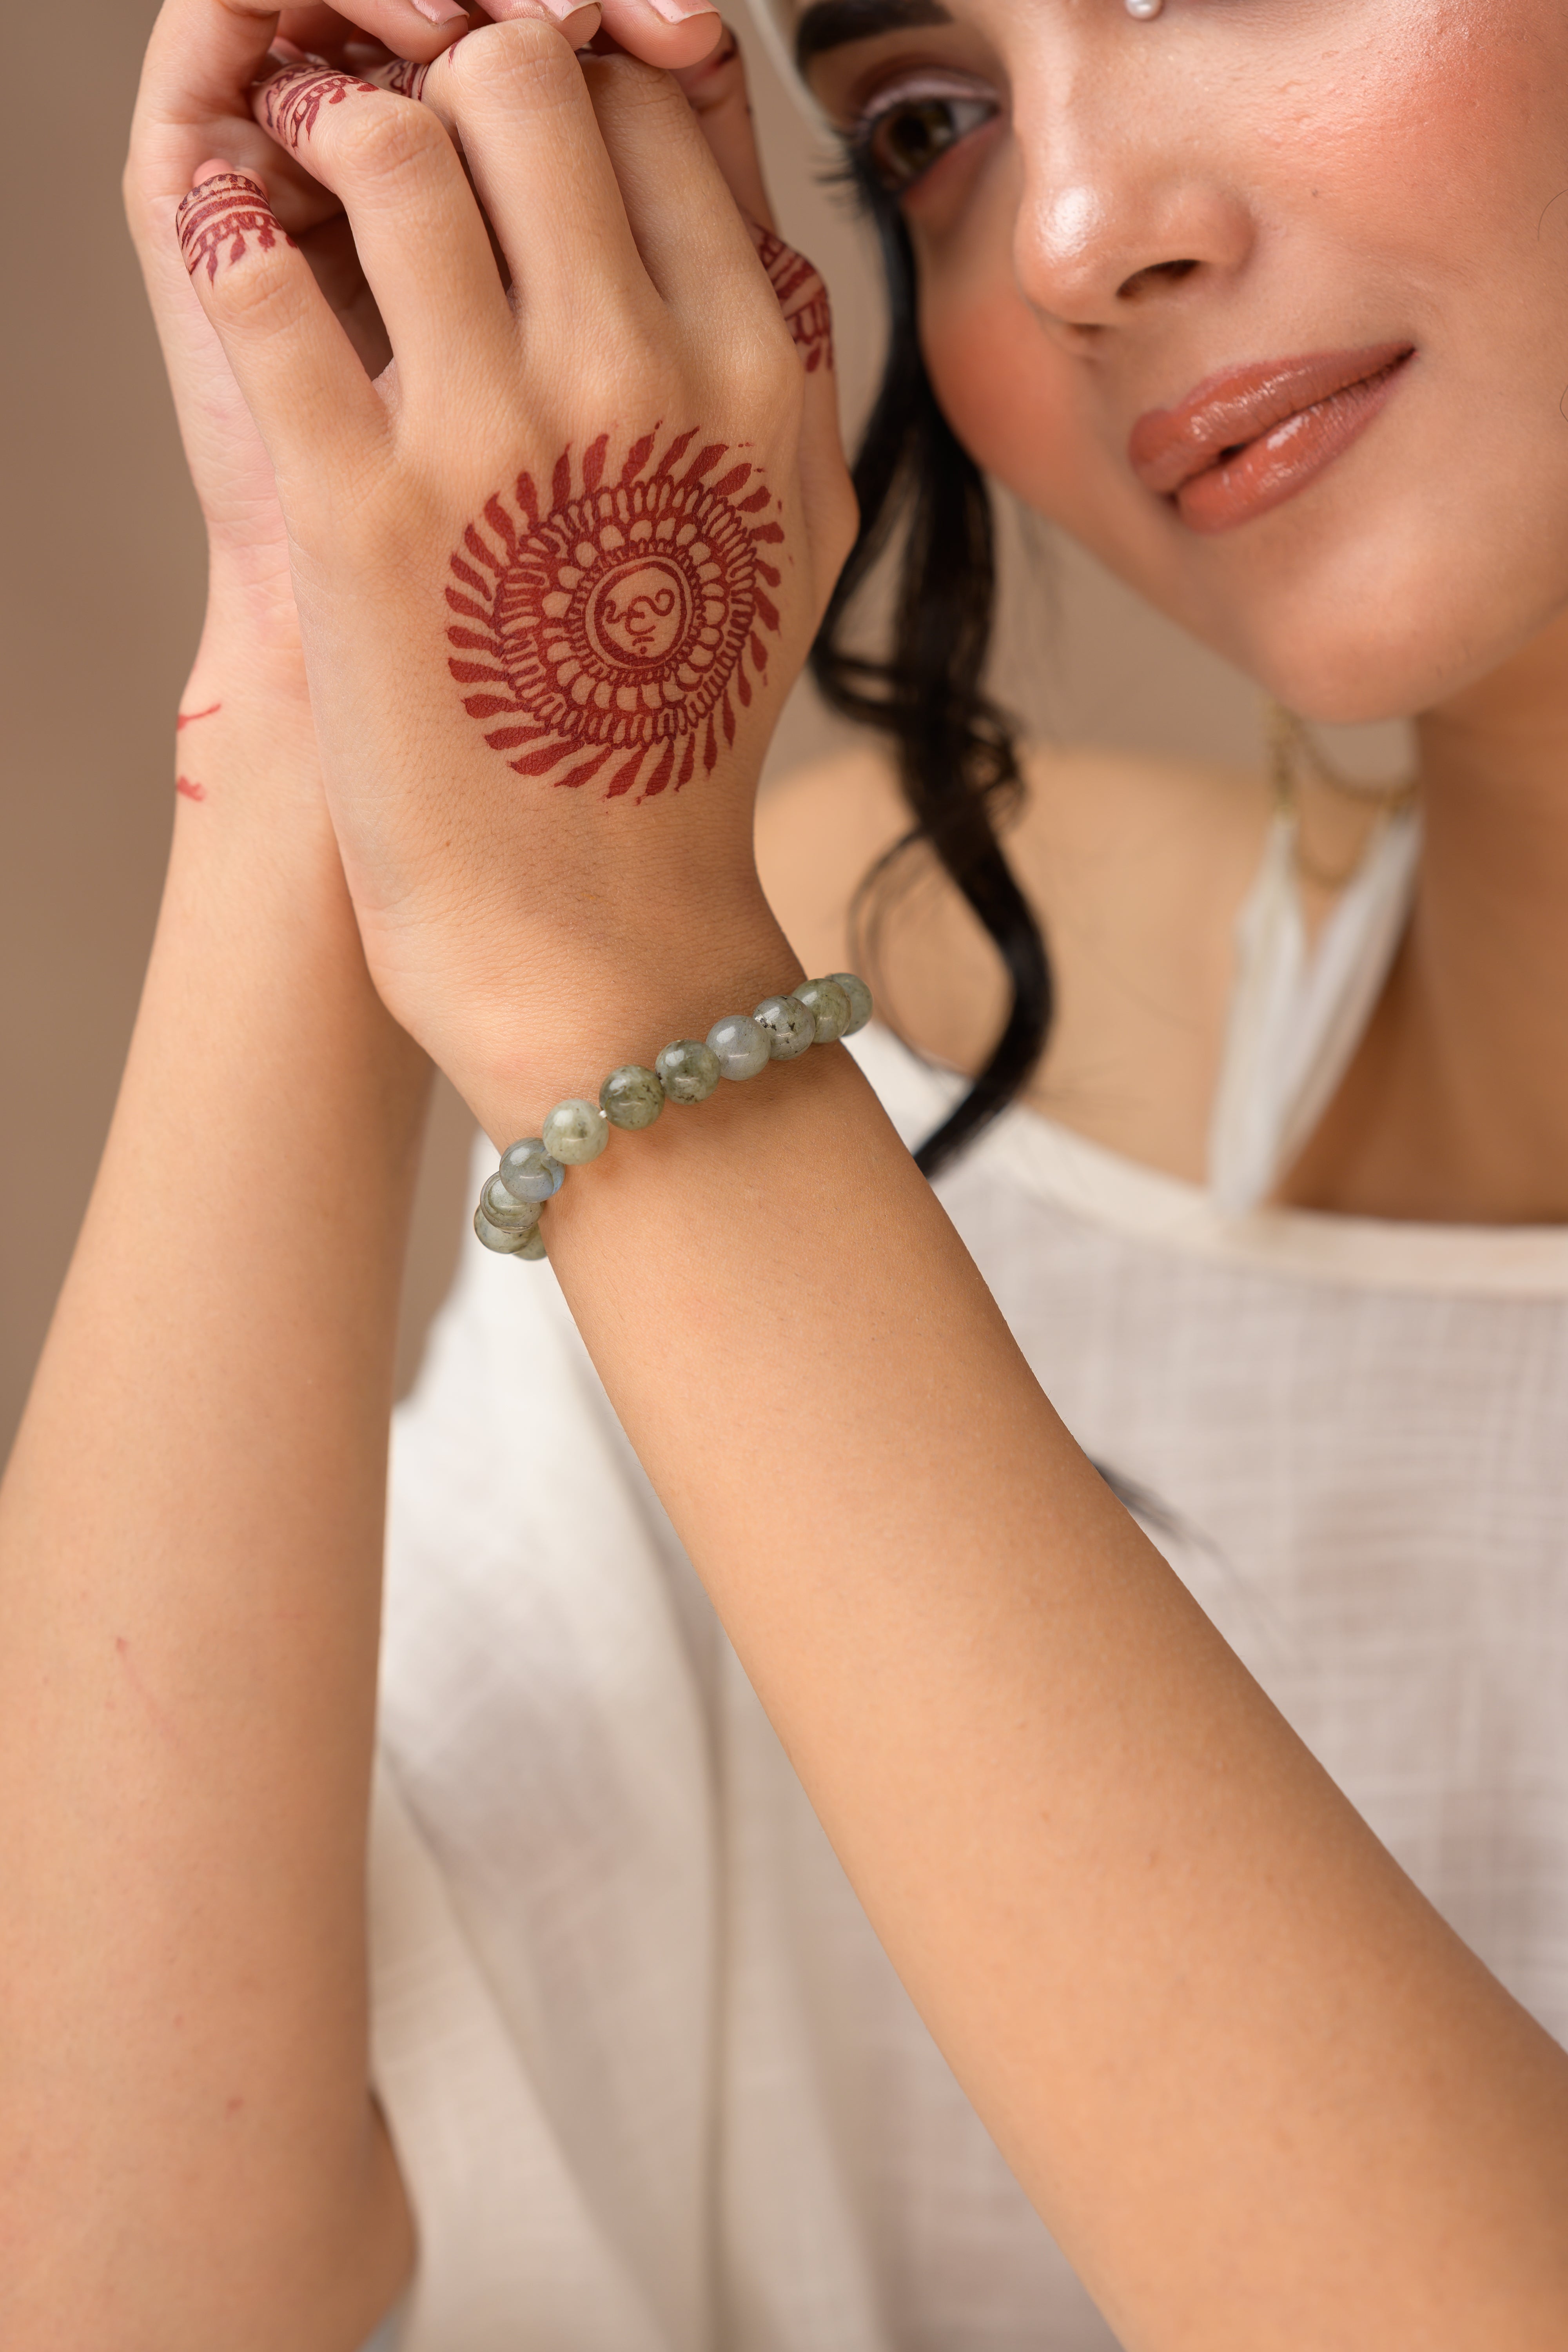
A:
(829, 23)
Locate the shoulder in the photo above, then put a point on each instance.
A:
(1135, 867)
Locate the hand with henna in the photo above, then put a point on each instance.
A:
(558, 564)
(203, 59)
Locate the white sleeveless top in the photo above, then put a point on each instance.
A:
(653, 2085)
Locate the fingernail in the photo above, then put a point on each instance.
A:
(440, 12)
(681, 11)
(560, 12)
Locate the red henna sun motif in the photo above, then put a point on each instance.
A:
(218, 220)
(803, 297)
(610, 632)
(294, 98)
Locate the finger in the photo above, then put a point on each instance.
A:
(514, 97)
(418, 233)
(290, 358)
(693, 242)
(802, 294)
(691, 236)
(577, 22)
(419, 29)
(666, 32)
(717, 94)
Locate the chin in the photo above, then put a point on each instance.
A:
(1352, 662)
(1384, 618)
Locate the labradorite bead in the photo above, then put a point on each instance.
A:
(687, 1071)
(529, 1172)
(631, 1096)
(532, 1245)
(576, 1131)
(503, 1209)
(740, 1046)
(859, 995)
(791, 1028)
(827, 1000)
(505, 1238)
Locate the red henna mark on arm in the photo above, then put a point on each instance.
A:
(191, 792)
(803, 296)
(219, 220)
(612, 631)
(188, 718)
(293, 99)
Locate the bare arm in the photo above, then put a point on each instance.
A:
(190, 1553)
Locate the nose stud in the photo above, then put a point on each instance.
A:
(1143, 10)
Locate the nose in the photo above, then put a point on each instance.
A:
(1122, 210)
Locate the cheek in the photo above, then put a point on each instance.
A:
(1013, 399)
(1036, 420)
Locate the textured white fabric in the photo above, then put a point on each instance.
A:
(1296, 1017)
(651, 2080)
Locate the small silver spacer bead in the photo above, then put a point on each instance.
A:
(1143, 10)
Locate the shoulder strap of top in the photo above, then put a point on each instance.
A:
(1296, 1019)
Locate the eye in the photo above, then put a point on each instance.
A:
(902, 134)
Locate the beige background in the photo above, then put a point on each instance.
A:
(103, 590)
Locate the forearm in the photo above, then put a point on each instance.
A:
(1245, 2071)
(190, 1543)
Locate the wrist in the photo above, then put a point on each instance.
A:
(606, 1003)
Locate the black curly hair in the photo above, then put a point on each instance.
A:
(922, 493)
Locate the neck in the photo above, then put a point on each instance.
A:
(1457, 1107)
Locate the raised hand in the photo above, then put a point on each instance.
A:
(194, 102)
(557, 566)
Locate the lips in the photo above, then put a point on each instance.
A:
(1247, 440)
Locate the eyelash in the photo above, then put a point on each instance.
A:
(876, 183)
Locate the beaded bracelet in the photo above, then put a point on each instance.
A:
(819, 1012)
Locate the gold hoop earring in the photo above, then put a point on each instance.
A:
(1292, 751)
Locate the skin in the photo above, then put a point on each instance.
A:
(1302, 161)
(1025, 1741)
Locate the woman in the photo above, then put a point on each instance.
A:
(645, 2074)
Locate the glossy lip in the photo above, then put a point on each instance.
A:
(1247, 440)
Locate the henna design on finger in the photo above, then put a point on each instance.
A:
(803, 296)
(613, 630)
(292, 100)
(188, 790)
(218, 219)
(183, 718)
(403, 77)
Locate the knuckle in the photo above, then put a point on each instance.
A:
(524, 61)
(762, 373)
(386, 141)
(627, 83)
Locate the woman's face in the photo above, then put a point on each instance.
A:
(1342, 224)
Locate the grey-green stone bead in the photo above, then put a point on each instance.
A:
(791, 1028)
(859, 995)
(576, 1131)
(631, 1096)
(687, 1071)
(503, 1209)
(529, 1172)
(831, 1006)
(741, 1046)
(532, 1245)
(508, 1239)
